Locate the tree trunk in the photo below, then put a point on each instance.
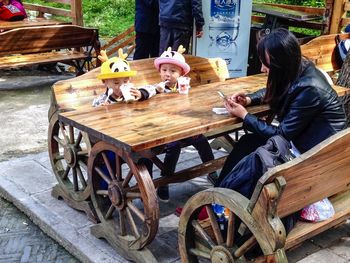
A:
(344, 80)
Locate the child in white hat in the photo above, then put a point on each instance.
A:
(171, 65)
(115, 72)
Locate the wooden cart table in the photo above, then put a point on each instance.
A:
(122, 191)
(134, 130)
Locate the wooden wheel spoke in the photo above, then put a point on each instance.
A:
(77, 142)
(110, 211)
(71, 134)
(83, 152)
(58, 140)
(108, 165)
(230, 230)
(64, 133)
(82, 164)
(214, 224)
(102, 192)
(136, 211)
(101, 173)
(58, 157)
(133, 195)
(245, 247)
(75, 180)
(203, 234)
(65, 174)
(81, 177)
(132, 223)
(127, 179)
(199, 253)
(122, 222)
(118, 168)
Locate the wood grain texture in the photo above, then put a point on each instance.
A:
(47, 44)
(164, 118)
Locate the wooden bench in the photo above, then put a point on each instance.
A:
(321, 172)
(70, 13)
(69, 44)
(323, 52)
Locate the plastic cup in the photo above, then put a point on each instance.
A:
(183, 85)
(125, 89)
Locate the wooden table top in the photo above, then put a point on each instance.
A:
(164, 118)
(284, 13)
(39, 21)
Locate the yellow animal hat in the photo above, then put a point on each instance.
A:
(116, 67)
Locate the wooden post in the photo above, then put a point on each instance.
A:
(77, 12)
(338, 10)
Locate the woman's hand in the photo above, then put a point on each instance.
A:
(235, 109)
(240, 98)
(136, 93)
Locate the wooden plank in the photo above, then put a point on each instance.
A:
(40, 58)
(41, 39)
(304, 230)
(7, 25)
(183, 116)
(48, 9)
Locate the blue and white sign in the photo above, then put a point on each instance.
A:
(226, 33)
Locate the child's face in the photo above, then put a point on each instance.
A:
(170, 72)
(115, 84)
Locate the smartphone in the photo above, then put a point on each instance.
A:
(222, 95)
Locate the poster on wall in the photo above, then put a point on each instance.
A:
(226, 33)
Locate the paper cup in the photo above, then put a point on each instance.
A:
(183, 85)
(125, 89)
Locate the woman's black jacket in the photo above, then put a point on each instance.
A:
(312, 111)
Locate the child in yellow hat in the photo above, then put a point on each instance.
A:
(116, 72)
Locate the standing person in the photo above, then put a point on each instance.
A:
(171, 65)
(307, 108)
(147, 29)
(176, 22)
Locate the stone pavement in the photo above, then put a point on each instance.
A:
(27, 182)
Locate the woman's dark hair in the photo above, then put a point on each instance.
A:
(284, 63)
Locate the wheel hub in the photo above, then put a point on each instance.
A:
(220, 254)
(70, 155)
(115, 194)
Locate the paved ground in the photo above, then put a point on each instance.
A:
(26, 180)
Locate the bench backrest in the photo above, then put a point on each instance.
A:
(41, 39)
(72, 9)
(81, 90)
(322, 51)
(318, 173)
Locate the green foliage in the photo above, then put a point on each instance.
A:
(312, 3)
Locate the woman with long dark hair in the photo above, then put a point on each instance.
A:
(306, 107)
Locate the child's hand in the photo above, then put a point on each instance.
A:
(136, 93)
(160, 87)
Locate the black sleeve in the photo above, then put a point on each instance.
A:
(256, 97)
(198, 14)
(302, 110)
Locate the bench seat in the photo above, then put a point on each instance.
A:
(305, 230)
(18, 60)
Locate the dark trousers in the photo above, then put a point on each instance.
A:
(173, 150)
(174, 37)
(147, 45)
(247, 144)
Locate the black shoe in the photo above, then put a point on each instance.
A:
(163, 193)
(213, 178)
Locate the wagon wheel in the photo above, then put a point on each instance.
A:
(205, 240)
(69, 151)
(123, 193)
